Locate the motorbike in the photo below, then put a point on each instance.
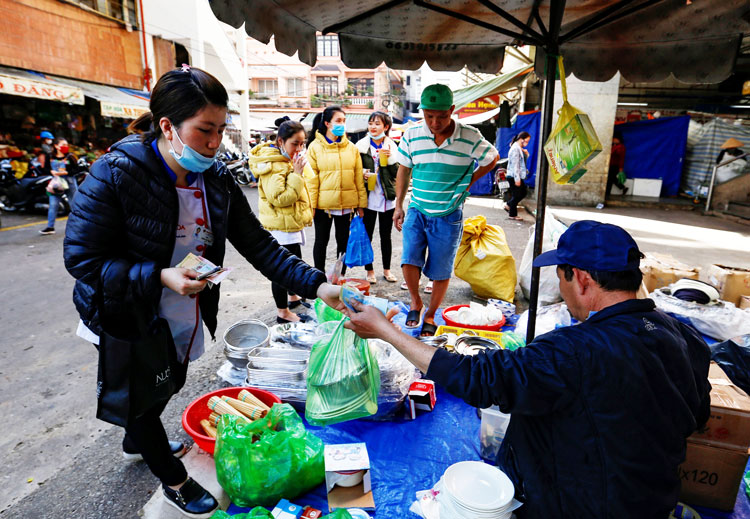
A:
(83, 170)
(29, 193)
(238, 168)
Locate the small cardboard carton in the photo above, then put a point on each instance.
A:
(311, 513)
(286, 510)
(729, 423)
(343, 463)
(421, 396)
(731, 282)
(710, 475)
(661, 270)
(744, 302)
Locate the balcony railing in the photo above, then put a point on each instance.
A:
(361, 100)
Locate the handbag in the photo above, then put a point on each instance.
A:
(137, 371)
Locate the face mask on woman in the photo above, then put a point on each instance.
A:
(190, 159)
(64, 149)
(378, 136)
(338, 129)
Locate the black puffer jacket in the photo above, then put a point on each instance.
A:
(122, 229)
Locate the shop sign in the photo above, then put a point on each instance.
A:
(479, 106)
(50, 91)
(121, 110)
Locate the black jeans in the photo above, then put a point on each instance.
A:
(385, 224)
(147, 436)
(517, 193)
(322, 222)
(279, 292)
(612, 180)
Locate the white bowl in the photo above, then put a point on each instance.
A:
(479, 487)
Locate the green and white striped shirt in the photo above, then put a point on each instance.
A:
(441, 174)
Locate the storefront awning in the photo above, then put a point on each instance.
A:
(23, 83)
(494, 86)
(115, 102)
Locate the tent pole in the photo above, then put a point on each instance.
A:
(541, 188)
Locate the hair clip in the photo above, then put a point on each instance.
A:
(185, 67)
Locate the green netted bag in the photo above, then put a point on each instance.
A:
(259, 463)
(325, 313)
(343, 379)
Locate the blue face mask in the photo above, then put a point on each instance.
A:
(284, 153)
(190, 159)
(338, 129)
(378, 136)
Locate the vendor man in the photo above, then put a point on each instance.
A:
(600, 410)
(440, 156)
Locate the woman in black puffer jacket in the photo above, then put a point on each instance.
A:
(147, 203)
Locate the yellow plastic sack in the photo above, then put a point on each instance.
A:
(572, 142)
(484, 260)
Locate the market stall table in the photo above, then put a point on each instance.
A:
(407, 456)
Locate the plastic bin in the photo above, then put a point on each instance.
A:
(492, 432)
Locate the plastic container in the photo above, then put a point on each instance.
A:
(492, 328)
(198, 410)
(361, 284)
(492, 432)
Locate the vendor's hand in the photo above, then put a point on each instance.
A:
(330, 295)
(182, 281)
(398, 218)
(361, 212)
(300, 161)
(368, 322)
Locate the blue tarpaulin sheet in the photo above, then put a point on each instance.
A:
(656, 149)
(483, 185)
(525, 122)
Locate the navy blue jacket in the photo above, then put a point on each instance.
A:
(600, 411)
(122, 229)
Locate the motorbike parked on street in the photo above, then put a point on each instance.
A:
(238, 168)
(28, 194)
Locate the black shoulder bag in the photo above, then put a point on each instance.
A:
(138, 368)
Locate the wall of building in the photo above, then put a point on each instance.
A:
(164, 54)
(62, 39)
(599, 101)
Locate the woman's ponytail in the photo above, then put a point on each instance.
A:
(141, 125)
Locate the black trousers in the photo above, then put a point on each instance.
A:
(147, 436)
(279, 292)
(385, 224)
(323, 222)
(517, 193)
(612, 180)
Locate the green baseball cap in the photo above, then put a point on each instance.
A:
(436, 97)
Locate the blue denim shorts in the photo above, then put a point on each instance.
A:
(436, 237)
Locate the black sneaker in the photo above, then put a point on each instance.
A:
(191, 499)
(47, 230)
(178, 451)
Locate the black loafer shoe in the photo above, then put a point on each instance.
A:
(178, 451)
(191, 499)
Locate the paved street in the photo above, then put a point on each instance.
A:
(59, 460)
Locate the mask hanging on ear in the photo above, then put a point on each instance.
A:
(190, 159)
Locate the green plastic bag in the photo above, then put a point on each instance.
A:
(747, 483)
(271, 458)
(512, 341)
(325, 313)
(261, 513)
(343, 379)
(622, 177)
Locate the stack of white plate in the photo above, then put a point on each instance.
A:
(478, 490)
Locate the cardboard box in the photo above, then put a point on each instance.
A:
(710, 476)
(731, 282)
(342, 461)
(421, 396)
(744, 302)
(311, 513)
(729, 423)
(661, 270)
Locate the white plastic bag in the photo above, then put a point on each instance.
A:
(548, 318)
(549, 287)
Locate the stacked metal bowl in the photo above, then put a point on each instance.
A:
(241, 338)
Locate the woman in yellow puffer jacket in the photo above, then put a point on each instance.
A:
(337, 187)
(284, 202)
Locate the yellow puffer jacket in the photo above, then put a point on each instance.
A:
(337, 181)
(284, 201)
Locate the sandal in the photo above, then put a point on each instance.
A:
(414, 316)
(428, 288)
(515, 218)
(428, 329)
(404, 286)
(390, 278)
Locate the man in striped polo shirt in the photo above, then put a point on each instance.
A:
(440, 156)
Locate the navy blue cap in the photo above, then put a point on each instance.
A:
(590, 245)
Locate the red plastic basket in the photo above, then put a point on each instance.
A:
(198, 410)
(490, 328)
